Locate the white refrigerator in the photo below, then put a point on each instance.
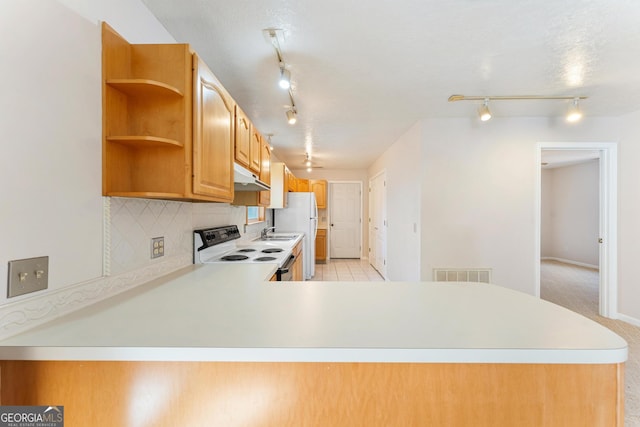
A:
(301, 216)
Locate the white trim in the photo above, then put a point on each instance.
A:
(568, 261)
(631, 320)
(383, 173)
(608, 218)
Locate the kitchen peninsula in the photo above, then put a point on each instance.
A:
(218, 345)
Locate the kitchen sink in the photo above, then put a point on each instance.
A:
(277, 238)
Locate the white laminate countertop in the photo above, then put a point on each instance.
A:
(227, 312)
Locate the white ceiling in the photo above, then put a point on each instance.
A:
(365, 71)
(558, 158)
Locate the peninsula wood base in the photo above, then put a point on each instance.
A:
(319, 394)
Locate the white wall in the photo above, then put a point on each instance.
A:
(570, 202)
(50, 109)
(629, 217)
(50, 167)
(478, 199)
(405, 175)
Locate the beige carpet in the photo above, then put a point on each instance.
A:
(576, 288)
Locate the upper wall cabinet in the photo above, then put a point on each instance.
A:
(243, 138)
(148, 123)
(319, 187)
(213, 135)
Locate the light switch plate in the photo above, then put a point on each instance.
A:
(28, 275)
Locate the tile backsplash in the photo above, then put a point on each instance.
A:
(134, 222)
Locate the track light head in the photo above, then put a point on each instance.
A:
(484, 112)
(291, 116)
(574, 114)
(285, 78)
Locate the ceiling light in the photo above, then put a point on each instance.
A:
(285, 78)
(291, 116)
(574, 114)
(484, 112)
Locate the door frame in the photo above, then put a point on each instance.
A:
(608, 183)
(383, 174)
(329, 207)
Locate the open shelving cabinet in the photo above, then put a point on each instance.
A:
(147, 118)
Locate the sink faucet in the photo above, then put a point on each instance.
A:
(263, 233)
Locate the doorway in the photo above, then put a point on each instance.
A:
(607, 207)
(345, 219)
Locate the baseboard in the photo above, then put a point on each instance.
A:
(629, 319)
(568, 261)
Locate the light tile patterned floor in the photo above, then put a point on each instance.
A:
(347, 270)
(576, 288)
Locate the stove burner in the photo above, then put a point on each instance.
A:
(265, 258)
(272, 250)
(247, 250)
(234, 257)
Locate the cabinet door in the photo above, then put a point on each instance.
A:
(302, 185)
(321, 245)
(265, 172)
(254, 151)
(319, 187)
(242, 138)
(213, 136)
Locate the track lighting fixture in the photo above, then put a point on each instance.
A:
(484, 112)
(284, 82)
(291, 116)
(285, 78)
(574, 114)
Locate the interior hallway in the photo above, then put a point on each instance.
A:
(577, 288)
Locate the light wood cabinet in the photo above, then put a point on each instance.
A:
(243, 130)
(265, 172)
(292, 183)
(302, 185)
(297, 268)
(319, 187)
(258, 198)
(321, 246)
(146, 118)
(167, 131)
(255, 150)
(212, 136)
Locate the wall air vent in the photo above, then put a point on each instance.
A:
(479, 275)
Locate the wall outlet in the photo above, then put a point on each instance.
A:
(157, 247)
(28, 275)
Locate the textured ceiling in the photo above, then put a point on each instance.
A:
(363, 72)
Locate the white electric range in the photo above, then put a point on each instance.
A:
(218, 245)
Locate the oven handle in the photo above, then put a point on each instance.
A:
(285, 268)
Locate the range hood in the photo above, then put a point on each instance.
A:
(244, 180)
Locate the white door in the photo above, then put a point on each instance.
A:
(378, 223)
(345, 219)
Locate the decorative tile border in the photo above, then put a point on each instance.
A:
(20, 316)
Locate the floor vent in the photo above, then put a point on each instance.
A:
(480, 275)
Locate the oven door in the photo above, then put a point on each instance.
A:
(285, 273)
